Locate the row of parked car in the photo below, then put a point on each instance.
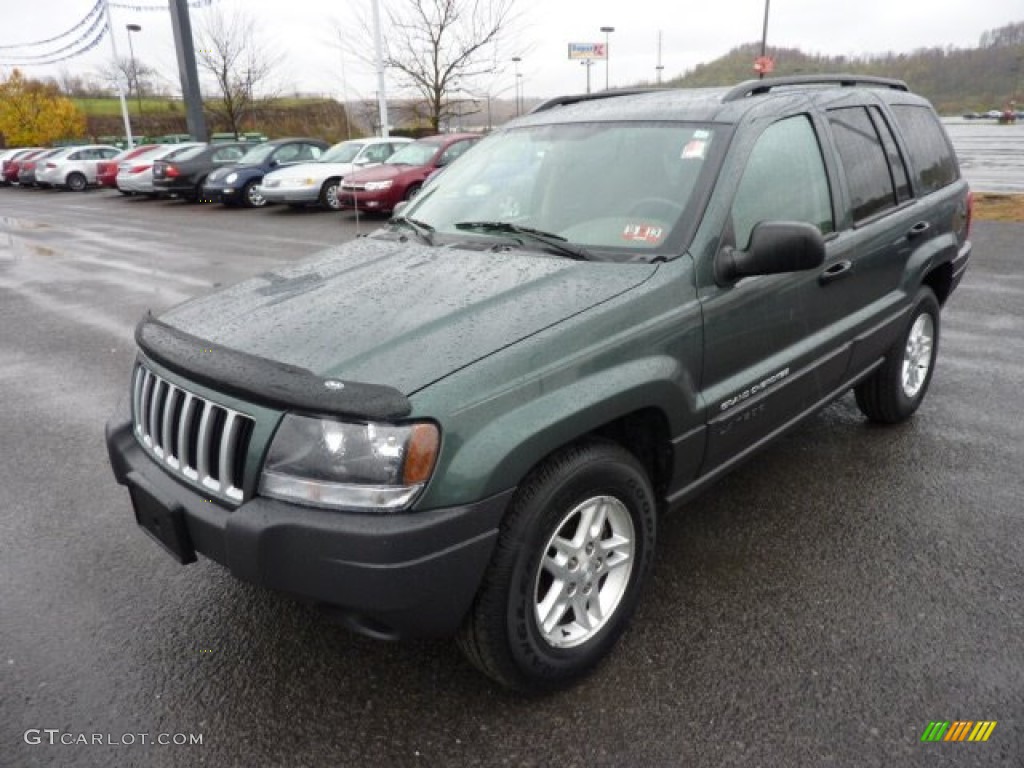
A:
(372, 174)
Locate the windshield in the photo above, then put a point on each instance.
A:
(342, 153)
(257, 154)
(612, 187)
(416, 153)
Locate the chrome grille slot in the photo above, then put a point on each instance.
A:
(195, 438)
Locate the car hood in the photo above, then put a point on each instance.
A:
(241, 170)
(382, 172)
(310, 170)
(400, 314)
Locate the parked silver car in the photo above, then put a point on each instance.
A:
(73, 167)
(135, 176)
(317, 183)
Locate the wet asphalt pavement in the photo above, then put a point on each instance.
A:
(816, 608)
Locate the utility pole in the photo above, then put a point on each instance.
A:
(764, 38)
(120, 90)
(607, 56)
(382, 98)
(659, 67)
(187, 70)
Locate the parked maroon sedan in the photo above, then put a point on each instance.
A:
(106, 171)
(12, 165)
(381, 188)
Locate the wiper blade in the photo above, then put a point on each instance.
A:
(421, 228)
(550, 239)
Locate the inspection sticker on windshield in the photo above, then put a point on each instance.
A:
(695, 149)
(650, 234)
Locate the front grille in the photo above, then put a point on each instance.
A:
(192, 437)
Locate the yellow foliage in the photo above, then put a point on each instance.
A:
(33, 113)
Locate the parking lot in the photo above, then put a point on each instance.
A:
(818, 607)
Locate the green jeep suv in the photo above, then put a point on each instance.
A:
(470, 422)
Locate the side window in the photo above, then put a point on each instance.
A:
(896, 164)
(865, 161)
(80, 155)
(931, 156)
(287, 153)
(784, 181)
(310, 152)
(109, 153)
(452, 152)
(376, 153)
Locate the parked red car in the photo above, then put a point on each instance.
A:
(381, 188)
(106, 170)
(12, 165)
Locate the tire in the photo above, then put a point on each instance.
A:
(893, 393)
(76, 182)
(125, 192)
(411, 192)
(329, 195)
(504, 635)
(250, 197)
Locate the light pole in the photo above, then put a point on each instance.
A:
(135, 70)
(120, 90)
(607, 55)
(588, 63)
(516, 60)
(764, 38)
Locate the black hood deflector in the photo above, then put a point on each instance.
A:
(264, 381)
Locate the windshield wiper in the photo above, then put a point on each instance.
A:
(550, 239)
(421, 228)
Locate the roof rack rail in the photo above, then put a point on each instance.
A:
(562, 101)
(760, 87)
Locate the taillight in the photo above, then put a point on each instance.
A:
(970, 213)
(140, 168)
(171, 172)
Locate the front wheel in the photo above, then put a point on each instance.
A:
(893, 392)
(575, 549)
(251, 197)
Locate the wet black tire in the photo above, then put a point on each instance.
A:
(895, 391)
(76, 182)
(588, 513)
(329, 195)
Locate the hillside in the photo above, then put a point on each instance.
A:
(955, 80)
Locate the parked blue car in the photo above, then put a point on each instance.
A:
(238, 183)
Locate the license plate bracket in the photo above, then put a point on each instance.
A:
(164, 521)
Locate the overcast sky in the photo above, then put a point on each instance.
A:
(692, 32)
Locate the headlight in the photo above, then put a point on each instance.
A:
(327, 463)
(373, 186)
(231, 178)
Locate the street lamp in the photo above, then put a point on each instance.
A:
(516, 60)
(607, 53)
(135, 71)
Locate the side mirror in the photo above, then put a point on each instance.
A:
(775, 247)
(274, 163)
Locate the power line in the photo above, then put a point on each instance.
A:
(95, 9)
(98, 24)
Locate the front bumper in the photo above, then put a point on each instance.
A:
(378, 200)
(219, 193)
(411, 574)
(290, 194)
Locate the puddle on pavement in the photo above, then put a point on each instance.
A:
(11, 224)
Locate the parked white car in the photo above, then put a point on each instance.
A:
(73, 167)
(317, 183)
(135, 176)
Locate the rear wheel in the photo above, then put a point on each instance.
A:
(575, 549)
(893, 392)
(329, 195)
(76, 182)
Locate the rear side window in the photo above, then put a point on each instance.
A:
(934, 165)
(865, 161)
(784, 181)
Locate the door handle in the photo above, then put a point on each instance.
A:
(835, 272)
(918, 229)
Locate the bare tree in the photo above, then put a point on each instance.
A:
(441, 47)
(241, 64)
(135, 76)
